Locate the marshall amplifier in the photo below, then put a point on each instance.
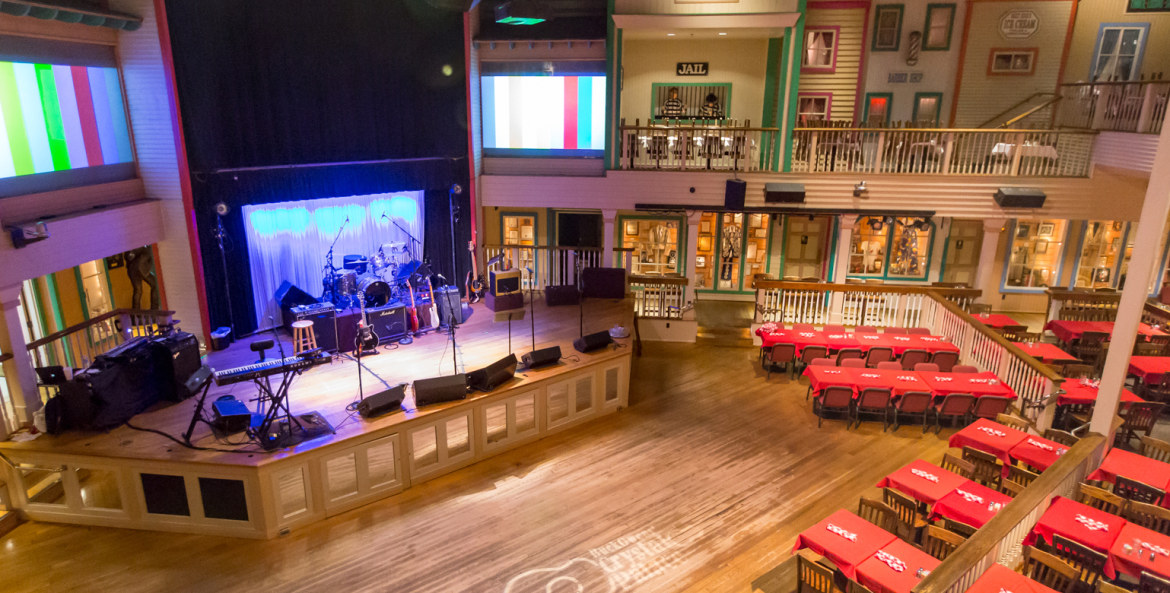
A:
(324, 318)
(390, 322)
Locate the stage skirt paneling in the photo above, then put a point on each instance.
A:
(289, 240)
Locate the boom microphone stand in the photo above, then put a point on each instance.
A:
(580, 295)
(455, 190)
(220, 233)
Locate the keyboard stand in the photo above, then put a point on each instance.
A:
(263, 431)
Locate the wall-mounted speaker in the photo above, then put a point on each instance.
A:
(439, 390)
(784, 193)
(1020, 197)
(383, 402)
(591, 342)
(493, 375)
(542, 357)
(734, 194)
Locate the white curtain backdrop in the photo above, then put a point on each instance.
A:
(289, 240)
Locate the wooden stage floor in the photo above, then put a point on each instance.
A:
(700, 485)
(330, 387)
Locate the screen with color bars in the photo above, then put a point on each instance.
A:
(554, 113)
(55, 118)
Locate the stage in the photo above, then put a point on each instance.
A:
(133, 478)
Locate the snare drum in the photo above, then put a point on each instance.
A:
(377, 292)
(345, 283)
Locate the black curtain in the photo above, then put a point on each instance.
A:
(297, 99)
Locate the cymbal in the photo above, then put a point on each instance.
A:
(394, 245)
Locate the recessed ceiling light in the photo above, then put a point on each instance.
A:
(721, 33)
(670, 34)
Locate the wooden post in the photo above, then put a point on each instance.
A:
(1146, 115)
(1100, 106)
(1017, 154)
(18, 370)
(812, 152)
(948, 150)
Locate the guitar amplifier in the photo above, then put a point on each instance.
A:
(180, 360)
(390, 322)
(504, 281)
(324, 318)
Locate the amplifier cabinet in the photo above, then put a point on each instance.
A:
(390, 322)
(504, 281)
(324, 318)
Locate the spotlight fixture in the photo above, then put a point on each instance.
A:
(222, 209)
(876, 223)
(859, 189)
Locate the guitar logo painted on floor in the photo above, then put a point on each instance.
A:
(620, 565)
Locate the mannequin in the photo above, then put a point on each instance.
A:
(140, 268)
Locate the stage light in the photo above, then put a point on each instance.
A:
(448, 70)
(222, 209)
(280, 220)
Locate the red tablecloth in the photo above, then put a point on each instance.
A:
(1045, 352)
(977, 384)
(922, 481)
(1067, 331)
(900, 343)
(895, 568)
(822, 377)
(971, 503)
(1145, 541)
(1135, 467)
(898, 381)
(996, 320)
(1001, 579)
(838, 340)
(1077, 394)
(790, 336)
(845, 553)
(1149, 368)
(992, 437)
(1080, 523)
(1037, 452)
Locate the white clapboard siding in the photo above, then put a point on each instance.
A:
(843, 82)
(1125, 150)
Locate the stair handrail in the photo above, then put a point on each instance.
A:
(1015, 106)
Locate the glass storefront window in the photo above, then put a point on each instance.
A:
(705, 264)
(655, 244)
(755, 255)
(1102, 249)
(893, 248)
(730, 250)
(1035, 253)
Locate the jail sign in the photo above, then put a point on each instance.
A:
(691, 69)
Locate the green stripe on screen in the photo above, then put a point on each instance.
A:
(51, 107)
(14, 121)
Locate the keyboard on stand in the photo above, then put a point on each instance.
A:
(271, 367)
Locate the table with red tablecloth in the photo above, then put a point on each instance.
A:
(990, 437)
(1077, 393)
(838, 340)
(995, 320)
(844, 539)
(923, 481)
(900, 343)
(896, 568)
(899, 382)
(1037, 452)
(971, 503)
(1067, 331)
(1046, 353)
(800, 338)
(1149, 369)
(1119, 462)
(1080, 523)
(1137, 550)
(1001, 579)
(822, 377)
(977, 384)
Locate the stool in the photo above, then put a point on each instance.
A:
(304, 338)
(260, 346)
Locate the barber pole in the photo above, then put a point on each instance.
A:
(913, 47)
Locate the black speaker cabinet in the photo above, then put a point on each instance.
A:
(603, 283)
(180, 360)
(390, 322)
(289, 296)
(1020, 197)
(448, 299)
(382, 403)
(504, 302)
(733, 198)
(591, 342)
(324, 318)
(784, 193)
(542, 357)
(440, 389)
(561, 295)
(493, 375)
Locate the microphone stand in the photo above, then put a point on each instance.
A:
(220, 233)
(331, 270)
(532, 305)
(580, 295)
(410, 236)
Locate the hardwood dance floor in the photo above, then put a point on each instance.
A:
(700, 485)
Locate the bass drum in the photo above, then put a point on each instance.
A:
(376, 290)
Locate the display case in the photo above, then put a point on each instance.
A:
(656, 245)
(1102, 250)
(705, 264)
(520, 230)
(1034, 258)
(891, 248)
(755, 249)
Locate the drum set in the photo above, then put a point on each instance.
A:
(381, 277)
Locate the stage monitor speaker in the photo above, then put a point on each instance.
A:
(493, 375)
(591, 342)
(440, 389)
(449, 301)
(734, 195)
(503, 282)
(784, 193)
(542, 357)
(290, 296)
(383, 402)
(1020, 197)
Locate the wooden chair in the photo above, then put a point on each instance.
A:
(896, 331)
(1101, 499)
(878, 513)
(959, 527)
(954, 406)
(910, 521)
(1152, 583)
(959, 466)
(1150, 516)
(913, 357)
(926, 367)
(1089, 346)
(1157, 389)
(1147, 349)
(1011, 488)
(1155, 448)
(945, 360)
(1028, 337)
(1012, 333)
(853, 363)
(1076, 371)
(978, 309)
(848, 353)
(1131, 489)
(988, 469)
(939, 542)
(781, 354)
(989, 406)
(964, 368)
(1104, 586)
(918, 331)
(1013, 421)
(912, 403)
(1049, 570)
(807, 355)
(812, 577)
(1138, 417)
(873, 400)
(852, 586)
(1088, 562)
(834, 398)
(1067, 439)
(865, 329)
(1021, 476)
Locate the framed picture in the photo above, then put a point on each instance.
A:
(526, 233)
(705, 227)
(700, 261)
(705, 243)
(631, 227)
(513, 236)
(1101, 274)
(1115, 244)
(1045, 229)
(1041, 247)
(761, 233)
(1117, 225)
(1023, 230)
(751, 251)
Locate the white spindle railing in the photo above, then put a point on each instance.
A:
(541, 265)
(695, 146)
(819, 304)
(659, 298)
(79, 345)
(1114, 106)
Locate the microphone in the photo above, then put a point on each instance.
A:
(441, 277)
(384, 216)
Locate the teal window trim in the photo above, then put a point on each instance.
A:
(535, 235)
(834, 233)
(783, 246)
(889, 97)
(938, 112)
(1114, 271)
(930, 8)
(771, 226)
(1146, 6)
(1007, 258)
(1160, 277)
(1121, 255)
(81, 292)
(942, 265)
(654, 86)
(885, 275)
(877, 16)
(680, 219)
(794, 37)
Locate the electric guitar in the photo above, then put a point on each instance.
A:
(413, 309)
(434, 305)
(366, 338)
(475, 283)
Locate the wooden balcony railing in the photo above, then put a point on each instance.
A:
(78, 345)
(1082, 305)
(546, 265)
(695, 146)
(1023, 153)
(659, 297)
(1114, 106)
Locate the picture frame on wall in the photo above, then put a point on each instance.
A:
(1101, 274)
(1023, 230)
(705, 227)
(526, 233)
(1041, 247)
(631, 227)
(700, 261)
(1045, 229)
